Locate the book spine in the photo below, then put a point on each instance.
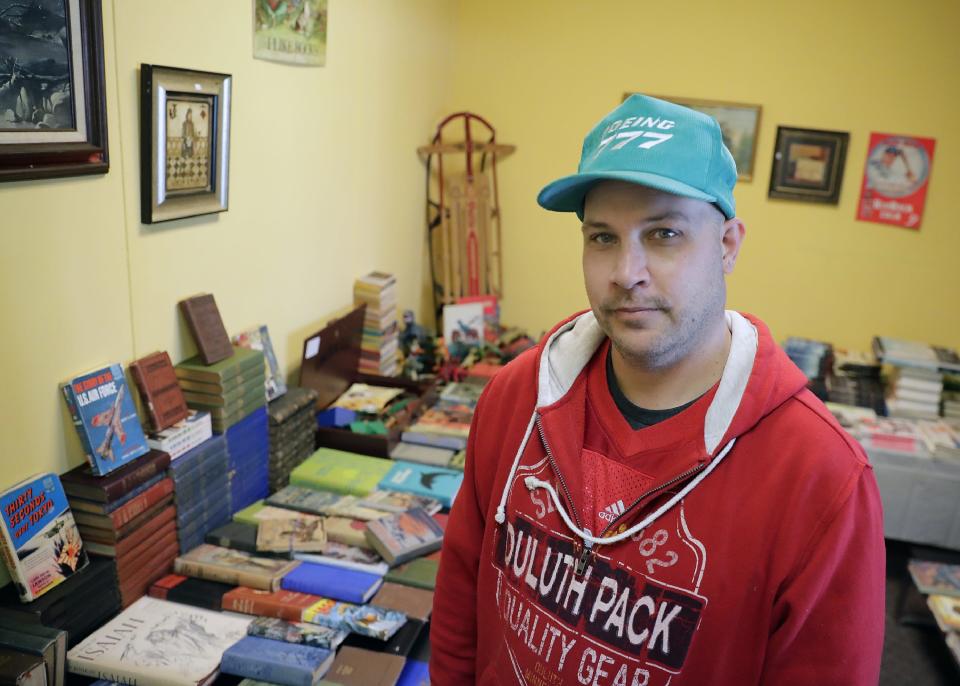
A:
(259, 666)
(262, 607)
(10, 559)
(137, 506)
(148, 468)
(141, 382)
(78, 423)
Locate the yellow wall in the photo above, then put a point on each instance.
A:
(543, 72)
(325, 185)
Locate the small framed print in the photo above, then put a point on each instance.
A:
(808, 164)
(184, 142)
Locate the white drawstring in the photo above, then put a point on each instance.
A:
(532, 482)
(500, 517)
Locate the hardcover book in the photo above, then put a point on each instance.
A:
(415, 673)
(277, 662)
(935, 578)
(404, 535)
(259, 339)
(296, 632)
(413, 602)
(244, 364)
(161, 395)
(434, 482)
(197, 592)
(339, 471)
(236, 535)
(417, 437)
(398, 501)
(367, 620)
(298, 532)
(367, 399)
(425, 454)
(160, 643)
(206, 327)
(351, 532)
(401, 643)
(351, 557)
(419, 572)
(320, 502)
(338, 583)
(105, 419)
(287, 605)
(359, 667)
(20, 669)
(44, 647)
(130, 510)
(233, 567)
(83, 483)
(39, 539)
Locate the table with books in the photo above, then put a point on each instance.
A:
(940, 583)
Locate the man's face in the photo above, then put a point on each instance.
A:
(654, 264)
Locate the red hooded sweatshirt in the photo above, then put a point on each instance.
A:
(739, 542)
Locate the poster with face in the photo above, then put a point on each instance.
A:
(188, 144)
(895, 179)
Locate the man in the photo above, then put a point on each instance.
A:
(652, 496)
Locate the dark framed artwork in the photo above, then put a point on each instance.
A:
(808, 164)
(739, 124)
(184, 142)
(53, 117)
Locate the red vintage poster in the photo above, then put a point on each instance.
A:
(895, 180)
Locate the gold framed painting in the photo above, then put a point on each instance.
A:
(739, 124)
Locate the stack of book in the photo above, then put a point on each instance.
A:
(229, 390)
(856, 381)
(31, 654)
(815, 360)
(446, 425)
(913, 392)
(248, 443)
(183, 436)
(78, 606)
(293, 431)
(950, 407)
(128, 515)
(201, 481)
(380, 344)
(941, 583)
(941, 439)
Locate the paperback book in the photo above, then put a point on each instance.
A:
(398, 501)
(39, 539)
(105, 419)
(321, 502)
(259, 339)
(935, 578)
(233, 567)
(367, 620)
(298, 532)
(184, 436)
(405, 535)
(434, 482)
(296, 632)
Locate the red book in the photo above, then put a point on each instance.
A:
(131, 564)
(111, 536)
(159, 390)
(159, 565)
(130, 510)
(162, 587)
(288, 605)
(138, 536)
(81, 482)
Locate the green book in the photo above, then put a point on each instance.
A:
(243, 361)
(248, 515)
(228, 386)
(420, 572)
(232, 400)
(341, 472)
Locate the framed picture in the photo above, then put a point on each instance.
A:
(184, 142)
(739, 124)
(53, 117)
(808, 164)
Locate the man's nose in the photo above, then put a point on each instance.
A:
(631, 268)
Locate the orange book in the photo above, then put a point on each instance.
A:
(288, 605)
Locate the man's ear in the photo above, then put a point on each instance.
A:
(731, 238)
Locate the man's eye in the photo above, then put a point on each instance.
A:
(664, 234)
(602, 238)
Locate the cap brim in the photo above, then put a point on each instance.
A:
(567, 194)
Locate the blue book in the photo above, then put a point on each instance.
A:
(338, 583)
(276, 662)
(415, 673)
(105, 418)
(39, 540)
(423, 479)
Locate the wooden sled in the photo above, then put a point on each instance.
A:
(463, 210)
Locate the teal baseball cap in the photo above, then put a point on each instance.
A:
(652, 143)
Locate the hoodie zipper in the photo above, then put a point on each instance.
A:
(652, 491)
(587, 545)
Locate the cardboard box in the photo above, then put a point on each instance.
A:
(329, 365)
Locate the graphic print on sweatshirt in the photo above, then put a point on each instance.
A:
(628, 620)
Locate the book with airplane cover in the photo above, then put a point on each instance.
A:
(413, 602)
(244, 362)
(439, 483)
(105, 418)
(314, 501)
(83, 483)
(299, 531)
(403, 536)
(281, 604)
(39, 540)
(347, 585)
(206, 327)
(368, 620)
(160, 643)
(359, 667)
(935, 578)
(159, 390)
(340, 471)
(233, 567)
(183, 436)
(276, 662)
(399, 501)
(296, 632)
(259, 339)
